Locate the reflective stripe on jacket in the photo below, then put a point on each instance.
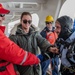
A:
(9, 51)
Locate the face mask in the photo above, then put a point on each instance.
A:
(2, 28)
(65, 33)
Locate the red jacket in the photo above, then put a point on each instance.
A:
(10, 52)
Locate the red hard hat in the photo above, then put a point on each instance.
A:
(3, 10)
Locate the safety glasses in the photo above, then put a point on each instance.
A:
(49, 22)
(2, 15)
(27, 21)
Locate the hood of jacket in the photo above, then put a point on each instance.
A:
(66, 26)
(18, 30)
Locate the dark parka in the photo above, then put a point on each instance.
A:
(30, 42)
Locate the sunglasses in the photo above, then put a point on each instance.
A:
(2, 15)
(27, 21)
(49, 22)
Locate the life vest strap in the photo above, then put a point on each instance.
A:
(3, 68)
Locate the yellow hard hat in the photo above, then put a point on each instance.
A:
(49, 18)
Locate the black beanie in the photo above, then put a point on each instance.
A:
(66, 26)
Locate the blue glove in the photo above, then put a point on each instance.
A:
(40, 56)
(43, 57)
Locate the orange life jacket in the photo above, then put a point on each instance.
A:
(51, 37)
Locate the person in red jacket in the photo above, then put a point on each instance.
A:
(10, 53)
